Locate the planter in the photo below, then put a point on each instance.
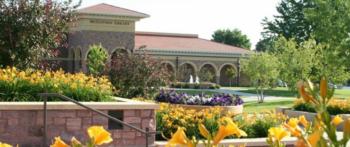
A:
(225, 109)
(308, 115)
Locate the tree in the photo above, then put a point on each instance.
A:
(231, 73)
(205, 75)
(291, 21)
(265, 44)
(231, 37)
(262, 68)
(32, 30)
(96, 60)
(308, 60)
(137, 74)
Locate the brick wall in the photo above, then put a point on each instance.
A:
(25, 127)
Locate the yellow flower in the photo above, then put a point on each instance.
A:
(323, 88)
(337, 120)
(293, 122)
(278, 133)
(204, 132)
(303, 93)
(303, 121)
(226, 130)
(179, 138)
(59, 143)
(99, 135)
(75, 142)
(5, 145)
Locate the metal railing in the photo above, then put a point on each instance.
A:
(45, 96)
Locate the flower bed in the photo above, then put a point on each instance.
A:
(334, 107)
(183, 98)
(170, 117)
(17, 85)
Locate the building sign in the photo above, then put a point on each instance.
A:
(109, 22)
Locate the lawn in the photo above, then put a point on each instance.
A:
(251, 107)
(284, 92)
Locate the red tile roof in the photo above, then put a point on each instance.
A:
(183, 42)
(111, 10)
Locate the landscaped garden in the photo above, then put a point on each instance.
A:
(127, 97)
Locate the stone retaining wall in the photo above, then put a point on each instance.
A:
(25, 127)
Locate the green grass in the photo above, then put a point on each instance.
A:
(278, 92)
(251, 107)
(284, 92)
(195, 92)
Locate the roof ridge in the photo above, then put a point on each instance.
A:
(225, 44)
(124, 8)
(113, 6)
(165, 34)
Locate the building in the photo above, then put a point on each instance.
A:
(183, 54)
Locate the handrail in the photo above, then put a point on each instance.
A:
(46, 95)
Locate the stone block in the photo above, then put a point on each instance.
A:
(59, 121)
(146, 113)
(73, 124)
(84, 113)
(132, 119)
(129, 135)
(129, 113)
(12, 121)
(62, 113)
(10, 114)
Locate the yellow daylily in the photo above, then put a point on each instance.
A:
(5, 145)
(303, 121)
(99, 135)
(179, 138)
(293, 122)
(59, 143)
(323, 88)
(337, 120)
(226, 130)
(278, 133)
(204, 132)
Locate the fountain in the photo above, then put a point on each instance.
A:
(197, 80)
(191, 79)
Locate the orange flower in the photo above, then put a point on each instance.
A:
(59, 143)
(314, 138)
(337, 120)
(303, 121)
(303, 93)
(226, 130)
(323, 88)
(179, 138)
(99, 135)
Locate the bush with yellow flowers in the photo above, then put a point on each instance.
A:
(322, 132)
(334, 106)
(97, 136)
(18, 85)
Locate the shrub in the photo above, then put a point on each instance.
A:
(96, 59)
(16, 85)
(334, 107)
(137, 75)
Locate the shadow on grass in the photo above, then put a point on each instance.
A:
(273, 92)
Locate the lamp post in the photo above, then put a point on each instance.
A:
(238, 72)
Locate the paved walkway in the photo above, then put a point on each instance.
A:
(247, 97)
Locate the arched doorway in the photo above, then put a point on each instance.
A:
(207, 73)
(186, 70)
(228, 75)
(170, 69)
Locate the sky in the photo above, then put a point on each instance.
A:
(200, 17)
